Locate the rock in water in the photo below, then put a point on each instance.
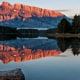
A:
(16, 74)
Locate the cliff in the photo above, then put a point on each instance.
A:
(8, 11)
(24, 15)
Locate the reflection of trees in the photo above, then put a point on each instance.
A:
(65, 43)
(76, 46)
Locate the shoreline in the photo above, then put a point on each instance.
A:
(66, 35)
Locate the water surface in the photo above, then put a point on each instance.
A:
(65, 66)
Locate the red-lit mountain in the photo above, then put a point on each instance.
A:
(19, 15)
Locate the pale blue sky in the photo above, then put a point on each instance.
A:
(50, 4)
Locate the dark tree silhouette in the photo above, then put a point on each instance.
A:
(76, 24)
(64, 26)
(63, 43)
(75, 45)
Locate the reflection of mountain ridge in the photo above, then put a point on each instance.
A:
(9, 54)
(18, 54)
(47, 44)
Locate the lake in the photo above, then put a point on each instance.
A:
(64, 66)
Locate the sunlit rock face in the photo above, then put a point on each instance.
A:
(8, 11)
(8, 54)
(20, 15)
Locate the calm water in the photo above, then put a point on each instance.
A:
(66, 66)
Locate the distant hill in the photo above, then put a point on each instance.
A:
(19, 15)
(70, 12)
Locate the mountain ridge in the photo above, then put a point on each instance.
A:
(10, 14)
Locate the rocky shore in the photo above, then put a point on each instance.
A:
(15, 74)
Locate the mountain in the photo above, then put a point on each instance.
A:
(19, 15)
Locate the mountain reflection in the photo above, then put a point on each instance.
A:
(36, 48)
(8, 54)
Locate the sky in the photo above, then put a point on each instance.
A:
(49, 4)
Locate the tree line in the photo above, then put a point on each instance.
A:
(66, 27)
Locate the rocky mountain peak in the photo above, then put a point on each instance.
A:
(11, 13)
